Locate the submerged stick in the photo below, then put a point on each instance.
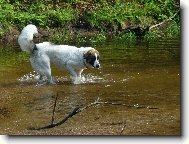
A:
(75, 111)
(123, 128)
(54, 108)
(72, 113)
(78, 110)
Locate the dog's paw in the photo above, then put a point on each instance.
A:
(51, 82)
(79, 80)
(41, 83)
(76, 82)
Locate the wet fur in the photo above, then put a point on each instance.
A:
(71, 58)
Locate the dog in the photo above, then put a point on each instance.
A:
(71, 58)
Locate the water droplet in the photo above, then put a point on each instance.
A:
(107, 85)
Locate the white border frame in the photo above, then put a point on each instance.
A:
(184, 139)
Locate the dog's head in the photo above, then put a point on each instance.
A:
(92, 57)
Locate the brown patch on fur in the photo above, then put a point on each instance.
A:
(89, 57)
(90, 53)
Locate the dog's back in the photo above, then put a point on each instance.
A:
(60, 55)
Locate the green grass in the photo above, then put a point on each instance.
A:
(172, 31)
(119, 18)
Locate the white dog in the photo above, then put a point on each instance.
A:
(71, 58)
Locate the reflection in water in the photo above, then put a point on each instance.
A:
(145, 74)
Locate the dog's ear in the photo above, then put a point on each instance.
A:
(88, 54)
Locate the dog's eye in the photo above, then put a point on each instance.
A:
(92, 58)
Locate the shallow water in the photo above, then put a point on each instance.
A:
(138, 87)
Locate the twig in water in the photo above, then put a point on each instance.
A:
(54, 108)
(123, 128)
(78, 109)
(75, 111)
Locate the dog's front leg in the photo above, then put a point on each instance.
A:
(73, 73)
(79, 76)
(79, 73)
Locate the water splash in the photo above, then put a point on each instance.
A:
(29, 77)
(91, 78)
(33, 77)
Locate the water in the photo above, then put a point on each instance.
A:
(138, 87)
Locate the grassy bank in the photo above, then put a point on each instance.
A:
(91, 20)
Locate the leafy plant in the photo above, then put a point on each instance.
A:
(99, 16)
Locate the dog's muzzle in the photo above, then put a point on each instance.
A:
(97, 66)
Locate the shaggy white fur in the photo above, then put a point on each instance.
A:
(25, 39)
(71, 58)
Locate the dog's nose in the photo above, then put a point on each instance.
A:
(98, 66)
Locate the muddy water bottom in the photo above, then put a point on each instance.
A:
(139, 91)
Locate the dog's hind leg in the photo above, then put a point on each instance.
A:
(49, 79)
(42, 66)
(46, 71)
(41, 78)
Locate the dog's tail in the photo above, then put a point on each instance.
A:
(25, 39)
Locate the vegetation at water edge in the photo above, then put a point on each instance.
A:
(92, 21)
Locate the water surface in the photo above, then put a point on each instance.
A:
(140, 82)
